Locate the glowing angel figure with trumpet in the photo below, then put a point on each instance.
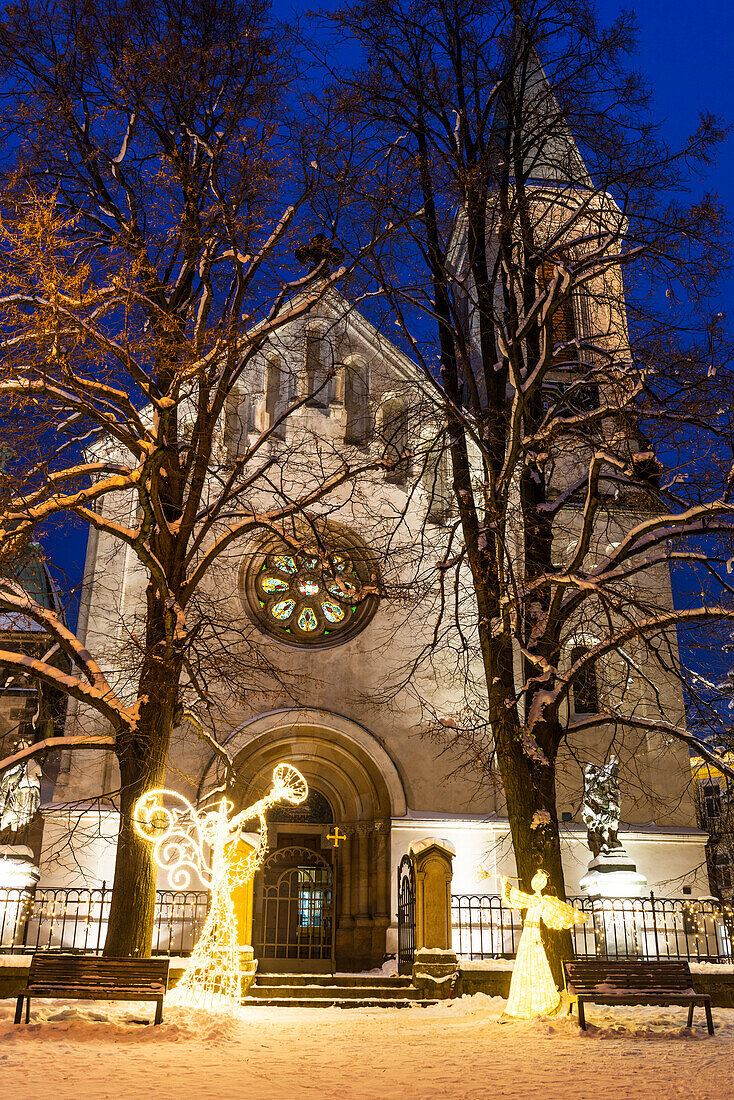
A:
(533, 991)
(186, 842)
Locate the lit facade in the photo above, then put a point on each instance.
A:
(332, 696)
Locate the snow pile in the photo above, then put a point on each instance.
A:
(452, 1049)
(117, 1022)
(16, 962)
(711, 968)
(486, 964)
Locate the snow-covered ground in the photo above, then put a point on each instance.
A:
(456, 1050)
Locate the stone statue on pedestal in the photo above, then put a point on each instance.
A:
(20, 794)
(602, 806)
(611, 873)
(20, 798)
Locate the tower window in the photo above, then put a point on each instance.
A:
(585, 691)
(237, 425)
(563, 323)
(436, 482)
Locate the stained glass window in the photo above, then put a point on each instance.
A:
(275, 584)
(314, 595)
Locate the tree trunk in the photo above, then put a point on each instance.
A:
(142, 759)
(529, 788)
(539, 846)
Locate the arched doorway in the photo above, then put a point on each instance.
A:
(355, 789)
(294, 926)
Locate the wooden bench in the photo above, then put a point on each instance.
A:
(633, 982)
(91, 977)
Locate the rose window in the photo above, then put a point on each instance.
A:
(317, 595)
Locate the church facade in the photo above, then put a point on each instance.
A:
(351, 692)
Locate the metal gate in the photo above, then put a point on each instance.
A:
(406, 915)
(295, 912)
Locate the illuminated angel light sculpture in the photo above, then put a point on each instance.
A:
(533, 991)
(185, 842)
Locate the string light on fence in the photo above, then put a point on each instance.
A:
(186, 842)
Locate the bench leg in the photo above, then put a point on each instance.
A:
(19, 1009)
(158, 1011)
(709, 1017)
(582, 1016)
(690, 1016)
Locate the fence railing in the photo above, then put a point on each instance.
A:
(71, 919)
(485, 927)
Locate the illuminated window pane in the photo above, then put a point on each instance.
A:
(284, 609)
(333, 612)
(285, 563)
(274, 584)
(307, 619)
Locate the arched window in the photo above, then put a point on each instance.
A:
(436, 481)
(238, 423)
(318, 371)
(315, 810)
(276, 394)
(396, 440)
(356, 403)
(585, 691)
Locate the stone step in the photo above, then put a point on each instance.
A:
(346, 980)
(326, 992)
(336, 1002)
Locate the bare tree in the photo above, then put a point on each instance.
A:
(544, 194)
(149, 220)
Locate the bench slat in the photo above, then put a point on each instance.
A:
(91, 977)
(607, 982)
(629, 975)
(91, 967)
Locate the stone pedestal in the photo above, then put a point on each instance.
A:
(435, 961)
(248, 967)
(18, 877)
(612, 874)
(18, 870)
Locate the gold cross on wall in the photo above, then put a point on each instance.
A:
(336, 836)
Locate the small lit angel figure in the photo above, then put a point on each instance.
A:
(205, 843)
(533, 991)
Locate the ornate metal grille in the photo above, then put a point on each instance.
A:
(406, 915)
(297, 919)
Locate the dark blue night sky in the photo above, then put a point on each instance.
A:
(685, 52)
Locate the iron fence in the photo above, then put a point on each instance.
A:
(485, 927)
(71, 919)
